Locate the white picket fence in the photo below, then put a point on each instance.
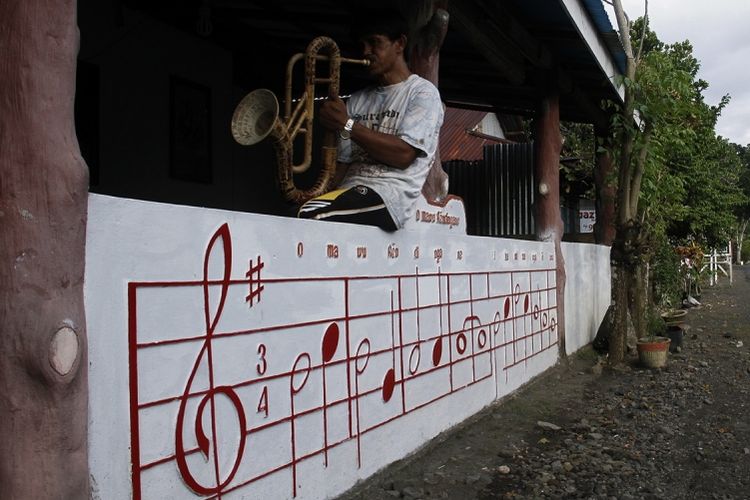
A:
(719, 262)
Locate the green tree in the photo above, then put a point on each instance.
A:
(742, 210)
(577, 159)
(675, 177)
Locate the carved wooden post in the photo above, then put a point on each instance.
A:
(549, 225)
(43, 195)
(431, 21)
(604, 180)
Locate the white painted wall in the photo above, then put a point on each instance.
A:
(587, 291)
(299, 409)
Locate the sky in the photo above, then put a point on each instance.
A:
(719, 31)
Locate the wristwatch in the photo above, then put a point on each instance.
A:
(346, 133)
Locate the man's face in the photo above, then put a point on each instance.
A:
(382, 52)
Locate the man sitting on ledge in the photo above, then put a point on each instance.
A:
(388, 133)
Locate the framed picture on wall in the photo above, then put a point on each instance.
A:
(189, 131)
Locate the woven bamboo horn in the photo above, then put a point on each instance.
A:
(257, 117)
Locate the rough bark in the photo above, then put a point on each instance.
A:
(549, 224)
(627, 233)
(43, 194)
(638, 300)
(617, 342)
(739, 238)
(431, 21)
(604, 181)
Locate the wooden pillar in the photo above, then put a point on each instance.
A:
(604, 181)
(549, 224)
(430, 24)
(43, 196)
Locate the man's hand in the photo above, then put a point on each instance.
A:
(385, 148)
(333, 113)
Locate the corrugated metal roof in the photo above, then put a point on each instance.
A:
(607, 32)
(455, 142)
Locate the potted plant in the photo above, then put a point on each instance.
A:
(675, 326)
(654, 347)
(691, 268)
(674, 316)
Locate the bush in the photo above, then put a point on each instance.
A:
(745, 251)
(665, 275)
(655, 325)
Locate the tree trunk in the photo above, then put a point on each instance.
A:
(739, 238)
(618, 338)
(43, 183)
(431, 21)
(549, 225)
(638, 300)
(604, 228)
(625, 249)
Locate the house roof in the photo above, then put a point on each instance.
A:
(497, 56)
(456, 141)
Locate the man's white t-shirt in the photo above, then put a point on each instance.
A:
(410, 110)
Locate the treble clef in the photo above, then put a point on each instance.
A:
(209, 398)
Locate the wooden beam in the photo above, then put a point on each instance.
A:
(486, 35)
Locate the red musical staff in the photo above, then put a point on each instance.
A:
(356, 376)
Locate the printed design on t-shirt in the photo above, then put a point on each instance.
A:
(414, 115)
(376, 117)
(386, 121)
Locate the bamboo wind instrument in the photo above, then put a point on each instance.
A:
(257, 117)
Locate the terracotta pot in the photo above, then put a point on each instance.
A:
(674, 317)
(652, 351)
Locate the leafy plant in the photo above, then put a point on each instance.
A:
(655, 325)
(666, 277)
(745, 253)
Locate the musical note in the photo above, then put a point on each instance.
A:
(389, 380)
(389, 383)
(223, 235)
(361, 359)
(506, 308)
(437, 348)
(255, 285)
(528, 336)
(415, 355)
(496, 320)
(461, 342)
(295, 386)
(536, 315)
(328, 350)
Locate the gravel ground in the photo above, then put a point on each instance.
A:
(583, 430)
